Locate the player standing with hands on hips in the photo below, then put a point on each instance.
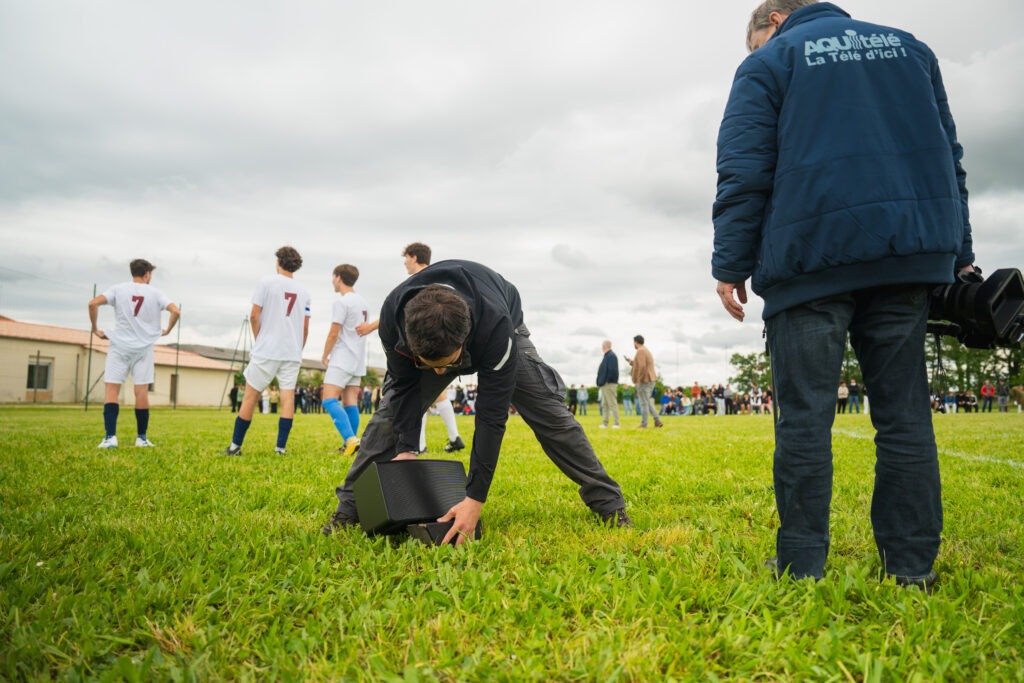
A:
(137, 307)
(841, 196)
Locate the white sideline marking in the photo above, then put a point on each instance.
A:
(955, 454)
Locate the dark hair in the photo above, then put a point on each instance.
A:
(288, 259)
(418, 251)
(437, 322)
(140, 267)
(639, 339)
(348, 273)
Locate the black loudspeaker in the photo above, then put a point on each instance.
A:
(392, 495)
(432, 533)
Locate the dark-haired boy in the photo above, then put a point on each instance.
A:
(345, 358)
(137, 307)
(280, 325)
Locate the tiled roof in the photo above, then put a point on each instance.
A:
(162, 355)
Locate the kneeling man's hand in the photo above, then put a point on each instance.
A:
(408, 455)
(466, 514)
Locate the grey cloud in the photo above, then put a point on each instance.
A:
(569, 257)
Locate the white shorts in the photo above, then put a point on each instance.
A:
(341, 378)
(121, 362)
(261, 372)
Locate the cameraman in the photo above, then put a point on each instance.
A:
(841, 195)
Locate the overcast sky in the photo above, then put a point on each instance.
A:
(568, 145)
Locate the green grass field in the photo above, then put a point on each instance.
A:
(177, 563)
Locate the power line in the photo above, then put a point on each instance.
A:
(40, 277)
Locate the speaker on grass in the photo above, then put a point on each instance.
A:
(394, 494)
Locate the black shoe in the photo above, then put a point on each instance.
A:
(233, 450)
(925, 583)
(339, 520)
(617, 519)
(456, 445)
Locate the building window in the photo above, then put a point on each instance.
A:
(40, 373)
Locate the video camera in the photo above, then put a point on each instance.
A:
(981, 313)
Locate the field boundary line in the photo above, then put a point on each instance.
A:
(942, 451)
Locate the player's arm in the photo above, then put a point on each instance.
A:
(364, 328)
(94, 309)
(332, 339)
(175, 314)
(254, 320)
(305, 331)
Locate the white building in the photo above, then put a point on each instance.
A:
(48, 364)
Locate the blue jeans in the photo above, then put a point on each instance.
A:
(806, 342)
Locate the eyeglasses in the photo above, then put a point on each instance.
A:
(420, 364)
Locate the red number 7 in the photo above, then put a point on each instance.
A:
(137, 300)
(292, 297)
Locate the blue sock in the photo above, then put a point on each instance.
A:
(110, 411)
(142, 421)
(340, 417)
(241, 427)
(353, 418)
(284, 428)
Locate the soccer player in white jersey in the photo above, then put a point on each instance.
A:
(280, 324)
(345, 358)
(138, 306)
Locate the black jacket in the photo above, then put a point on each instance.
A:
(490, 352)
(608, 372)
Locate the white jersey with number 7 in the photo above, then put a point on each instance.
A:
(285, 307)
(137, 308)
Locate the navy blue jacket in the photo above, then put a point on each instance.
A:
(490, 352)
(838, 164)
(608, 371)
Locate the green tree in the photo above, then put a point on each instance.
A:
(752, 368)
(371, 378)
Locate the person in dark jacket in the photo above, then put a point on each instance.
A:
(608, 385)
(459, 317)
(842, 197)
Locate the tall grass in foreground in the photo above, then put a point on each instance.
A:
(177, 563)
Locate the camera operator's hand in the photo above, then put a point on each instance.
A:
(466, 514)
(966, 269)
(728, 292)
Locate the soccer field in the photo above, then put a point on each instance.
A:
(178, 563)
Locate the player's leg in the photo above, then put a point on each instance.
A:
(258, 374)
(335, 410)
(287, 373)
(447, 413)
(115, 372)
(350, 397)
(110, 413)
(142, 376)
